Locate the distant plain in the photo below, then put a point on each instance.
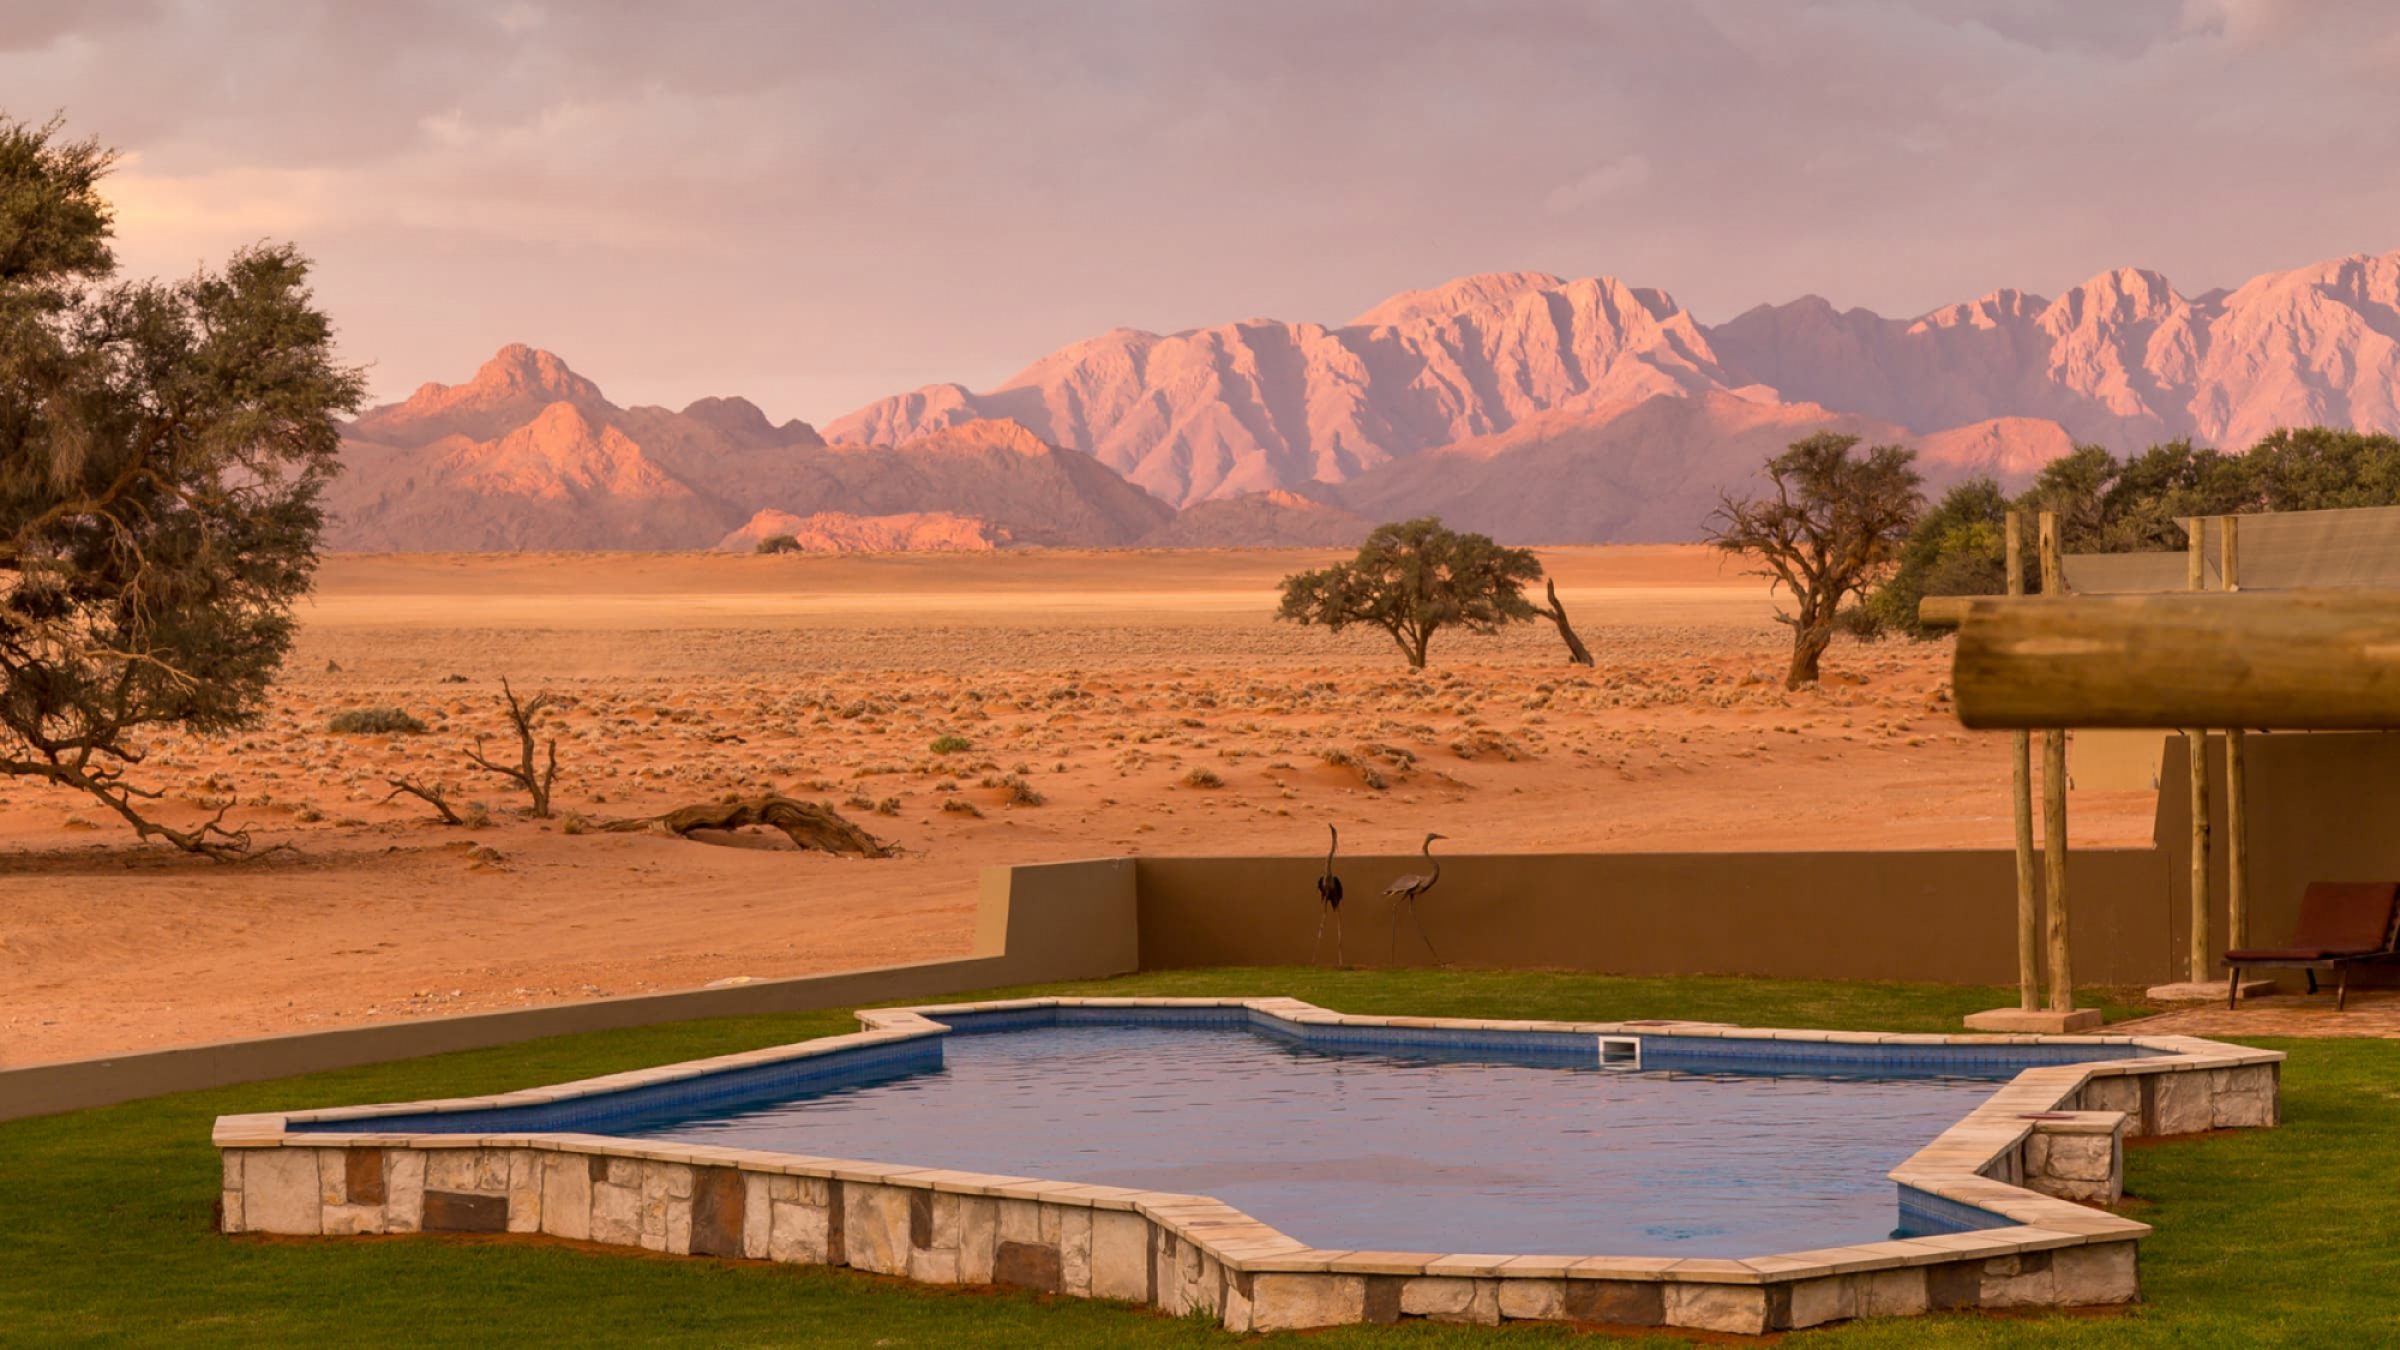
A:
(1112, 685)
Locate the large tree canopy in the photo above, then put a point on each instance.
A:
(2108, 505)
(1829, 528)
(1955, 549)
(1414, 578)
(162, 450)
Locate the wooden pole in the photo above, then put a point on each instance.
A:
(2237, 850)
(2195, 741)
(2302, 660)
(2054, 799)
(2029, 908)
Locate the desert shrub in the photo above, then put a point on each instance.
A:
(1862, 623)
(951, 745)
(779, 543)
(1022, 793)
(1486, 742)
(860, 801)
(1203, 778)
(371, 721)
(962, 807)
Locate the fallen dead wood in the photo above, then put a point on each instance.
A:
(808, 824)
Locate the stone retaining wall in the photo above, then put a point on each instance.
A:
(2020, 1163)
(1131, 1246)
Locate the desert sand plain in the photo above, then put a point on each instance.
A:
(1147, 702)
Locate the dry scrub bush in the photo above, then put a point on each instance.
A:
(374, 721)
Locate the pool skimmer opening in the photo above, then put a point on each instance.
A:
(1620, 1052)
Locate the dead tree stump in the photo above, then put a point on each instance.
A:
(1577, 653)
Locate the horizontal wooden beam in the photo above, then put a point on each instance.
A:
(2304, 660)
(1943, 611)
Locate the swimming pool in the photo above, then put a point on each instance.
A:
(1380, 1151)
(1278, 1165)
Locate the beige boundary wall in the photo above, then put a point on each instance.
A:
(1947, 916)
(2029, 1155)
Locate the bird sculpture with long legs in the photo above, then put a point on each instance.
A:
(1329, 902)
(1403, 893)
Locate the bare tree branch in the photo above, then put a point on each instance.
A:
(435, 795)
(536, 781)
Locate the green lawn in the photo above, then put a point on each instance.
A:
(2288, 1236)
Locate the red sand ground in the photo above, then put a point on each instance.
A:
(1102, 680)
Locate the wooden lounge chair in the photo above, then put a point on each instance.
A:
(2342, 924)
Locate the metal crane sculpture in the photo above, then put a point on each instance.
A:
(1329, 897)
(1403, 892)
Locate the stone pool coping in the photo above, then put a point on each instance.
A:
(2034, 1156)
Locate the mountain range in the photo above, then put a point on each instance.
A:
(1529, 406)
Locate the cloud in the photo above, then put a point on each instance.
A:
(818, 202)
(1617, 178)
(239, 204)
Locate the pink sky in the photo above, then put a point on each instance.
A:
(815, 204)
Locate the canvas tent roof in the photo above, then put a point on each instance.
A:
(2356, 549)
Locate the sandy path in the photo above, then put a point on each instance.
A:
(1102, 681)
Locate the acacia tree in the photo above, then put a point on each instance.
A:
(1831, 527)
(163, 448)
(1412, 579)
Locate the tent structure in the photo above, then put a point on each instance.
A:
(2357, 549)
(2313, 642)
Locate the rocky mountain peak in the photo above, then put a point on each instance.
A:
(1482, 291)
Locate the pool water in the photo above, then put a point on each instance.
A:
(1370, 1151)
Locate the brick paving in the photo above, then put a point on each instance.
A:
(2372, 1013)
